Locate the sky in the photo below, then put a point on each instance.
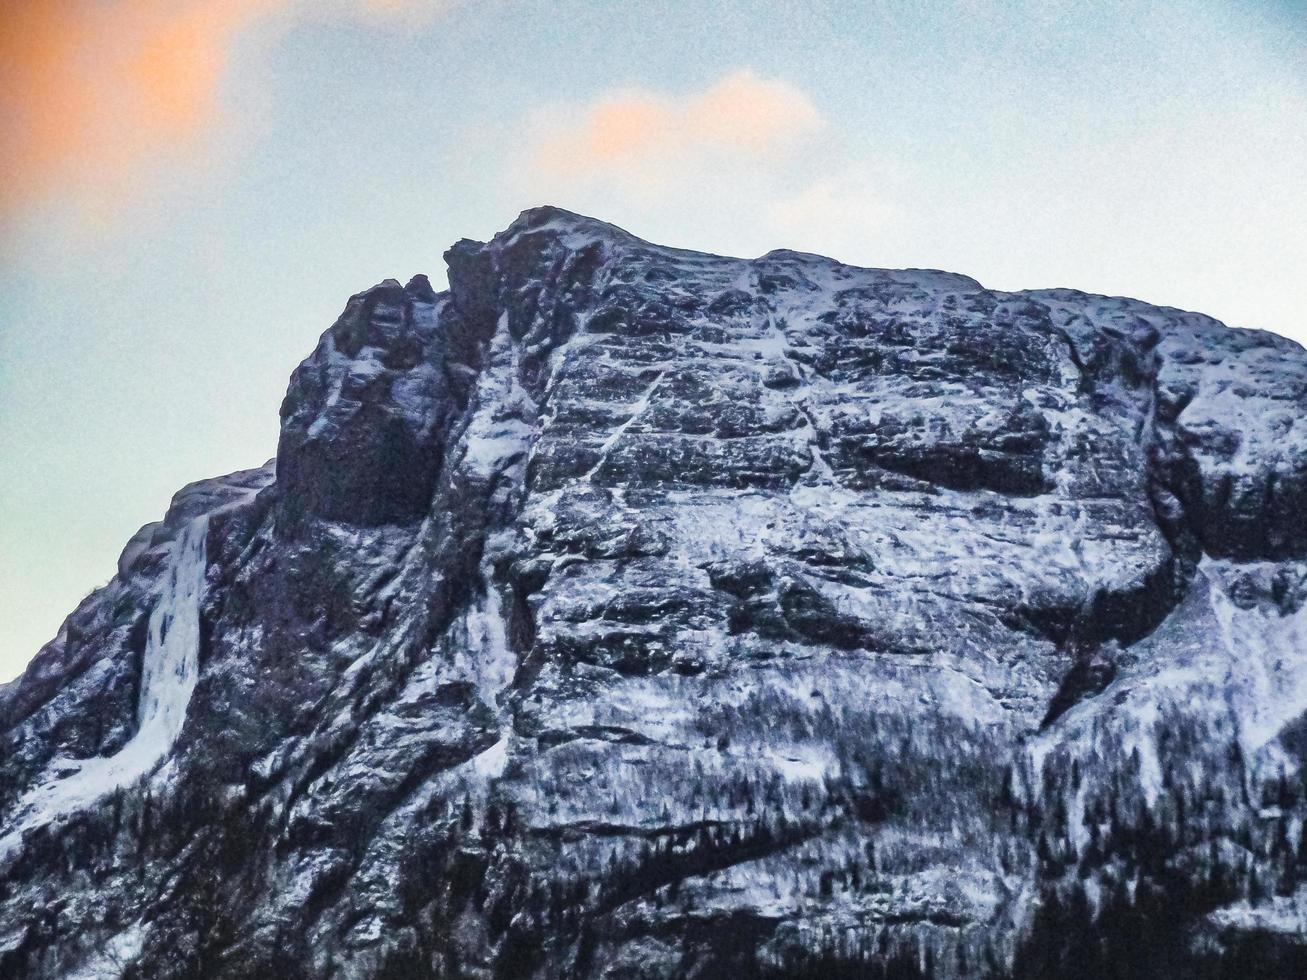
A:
(191, 190)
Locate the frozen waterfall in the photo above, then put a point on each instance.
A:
(168, 675)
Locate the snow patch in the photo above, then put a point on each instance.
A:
(113, 960)
(1265, 646)
(490, 763)
(493, 660)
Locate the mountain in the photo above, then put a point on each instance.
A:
(632, 612)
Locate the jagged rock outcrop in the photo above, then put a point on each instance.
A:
(631, 612)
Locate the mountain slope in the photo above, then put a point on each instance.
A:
(626, 611)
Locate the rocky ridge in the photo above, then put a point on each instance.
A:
(626, 611)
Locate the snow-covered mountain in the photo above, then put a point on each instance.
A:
(633, 612)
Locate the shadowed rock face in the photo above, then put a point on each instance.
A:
(633, 612)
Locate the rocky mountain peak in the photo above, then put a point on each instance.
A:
(631, 611)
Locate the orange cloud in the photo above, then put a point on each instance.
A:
(91, 91)
(742, 114)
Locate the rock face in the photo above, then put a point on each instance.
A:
(633, 612)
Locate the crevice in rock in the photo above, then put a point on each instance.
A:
(1116, 619)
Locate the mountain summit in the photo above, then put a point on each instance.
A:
(632, 612)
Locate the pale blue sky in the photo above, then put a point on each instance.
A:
(147, 331)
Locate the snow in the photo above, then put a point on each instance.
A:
(497, 436)
(637, 410)
(802, 763)
(1284, 915)
(1267, 669)
(169, 672)
(490, 763)
(113, 959)
(1215, 658)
